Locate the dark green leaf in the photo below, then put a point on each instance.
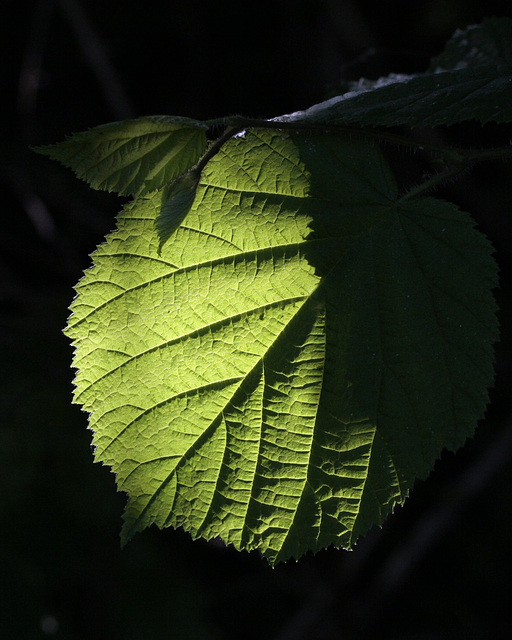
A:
(472, 79)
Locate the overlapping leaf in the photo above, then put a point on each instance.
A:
(133, 156)
(471, 79)
(177, 199)
(302, 349)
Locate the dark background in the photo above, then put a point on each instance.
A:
(441, 566)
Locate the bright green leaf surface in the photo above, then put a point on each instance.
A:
(302, 349)
(471, 79)
(133, 156)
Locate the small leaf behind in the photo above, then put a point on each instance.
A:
(133, 156)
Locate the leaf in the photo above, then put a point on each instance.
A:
(489, 43)
(133, 156)
(302, 351)
(177, 199)
(471, 79)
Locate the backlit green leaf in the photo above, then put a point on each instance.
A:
(133, 156)
(281, 372)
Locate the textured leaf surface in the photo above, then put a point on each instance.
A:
(302, 349)
(471, 79)
(133, 156)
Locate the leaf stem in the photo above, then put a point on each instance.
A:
(432, 182)
(454, 153)
(216, 147)
(296, 125)
(478, 155)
